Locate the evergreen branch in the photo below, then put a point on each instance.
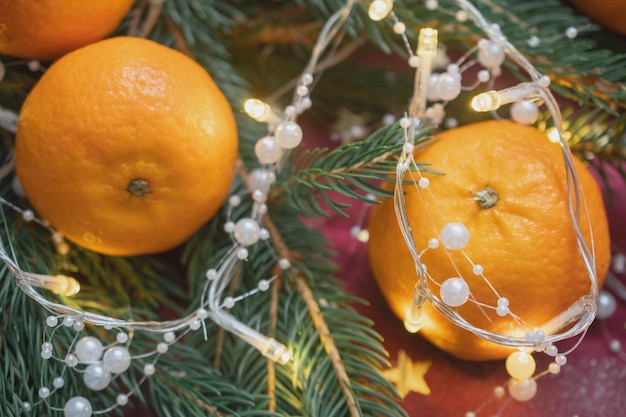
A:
(271, 369)
(329, 345)
(349, 170)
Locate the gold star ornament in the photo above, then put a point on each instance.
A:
(408, 376)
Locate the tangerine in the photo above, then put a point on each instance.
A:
(524, 241)
(126, 146)
(609, 13)
(47, 29)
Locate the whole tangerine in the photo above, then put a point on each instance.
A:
(47, 29)
(522, 239)
(609, 13)
(126, 146)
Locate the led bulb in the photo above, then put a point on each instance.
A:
(487, 101)
(257, 109)
(379, 9)
(427, 43)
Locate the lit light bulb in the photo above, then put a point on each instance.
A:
(58, 284)
(486, 101)
(427, 42)
(257, 109)
(379, 9)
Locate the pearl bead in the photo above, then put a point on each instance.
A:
(498, 392)
(432, 4)
(58, 382)
(229, 302)
(122, 399)
(78, 325)
(560, 360)
(97, 377)
(247, 231)
(47, 346)
(195, 325)
(302, 90)
(202, 314)
(503, 301)
(552, 350)
(433, 243)
(263, 285)
(258, 196)
(307, 78)
(284, 263)
(288, 135)
(268, 150)
(448, 86)
(618, 262)
(524, 112)
(454, 235)
(116, 359)
(52, 321)
(502, 310)
(71, 360)
(162, 347)
(28, 215)
(77, 407)
(229, 227)
(27, 406)
(211, 274)
(478, 270)
(571, 32)
(68, 321)
(483, 76)
(234, 200)
(615, 346)
(89, 349)
(405, 123)
(461, 15)
(433, 93)
(149, 369)
(490, 55)
(121, 337)
(399, 28)
(520, 365)
(414, 61)
(44, 392)
(522, 390)
(533, 41)
(259, 179)
(554, 369)
(169, 337)
(423, 182)
(606, 305)
(264, 234)
(408, 147)
(454, 292)
(46, 354)
(242, 253)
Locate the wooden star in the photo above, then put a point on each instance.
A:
(408, 376)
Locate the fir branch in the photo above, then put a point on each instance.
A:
(352, 170)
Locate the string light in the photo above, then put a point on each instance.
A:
(58, 284)
(257, 109)
(379, 9)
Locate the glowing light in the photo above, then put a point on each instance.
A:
(486, 101)
(427, 43)
(553, 135)
(379, 9)
(58, 284)
(257, 109)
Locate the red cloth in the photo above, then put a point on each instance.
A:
(592, 384)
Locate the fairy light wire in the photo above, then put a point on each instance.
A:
(579, 315)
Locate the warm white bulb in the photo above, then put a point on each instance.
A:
(379, 9)
(486, 101)
(257, 109)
